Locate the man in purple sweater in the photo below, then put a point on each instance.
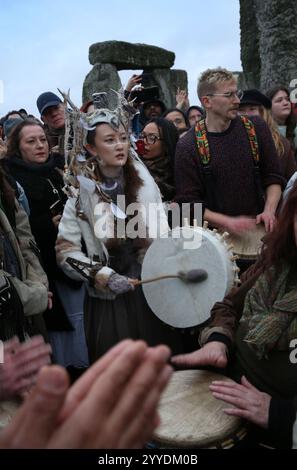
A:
(236, 191)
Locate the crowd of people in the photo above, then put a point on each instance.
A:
(69, 291)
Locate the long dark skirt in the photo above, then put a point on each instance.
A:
(128, 316)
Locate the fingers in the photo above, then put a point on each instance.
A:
(36, 420)
(258, 219)
(245, 414)
(100, 398)
(11, 345)
(272, 224)
(104, 399)
(142, 424)
(212, 354)
(82, 386)
(247, 384)
(33, 366)
(30, 354)
(22, 362)
(188, 360)
(230, 398)
(142, 385)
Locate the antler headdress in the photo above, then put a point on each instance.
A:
(111, 108)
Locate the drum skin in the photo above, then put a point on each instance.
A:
(248, 244)
(192, 418)
(183, 304)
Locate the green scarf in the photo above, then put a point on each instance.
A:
(270, 311)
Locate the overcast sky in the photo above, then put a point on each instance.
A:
(45, 43)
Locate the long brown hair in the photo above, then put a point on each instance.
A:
(13, 147)
(291, 119)
(277, 138)
(280, 245)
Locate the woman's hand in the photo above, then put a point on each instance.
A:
(182, 100)
(250, 403)
(133, 81)
(268, 219)
(22, 362)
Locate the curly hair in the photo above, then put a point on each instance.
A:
(210, 78)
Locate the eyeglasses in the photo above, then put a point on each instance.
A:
(229, 94)
(149, 138)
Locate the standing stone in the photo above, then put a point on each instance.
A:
(277, 23)
(268, 42)
(249, 45)
(110, 56)
(102, 77)
(125, 55)
(179, 79)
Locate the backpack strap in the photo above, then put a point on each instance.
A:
(205, 157)
(202, 142)
(251, 132)
(253, 140)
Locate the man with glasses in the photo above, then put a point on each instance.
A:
(228, 163)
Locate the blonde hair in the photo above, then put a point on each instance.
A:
(210, 78)
(267, 116)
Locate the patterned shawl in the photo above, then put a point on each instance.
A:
(270, 310)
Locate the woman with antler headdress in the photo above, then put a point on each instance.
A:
(107, 187)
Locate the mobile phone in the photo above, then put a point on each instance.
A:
(146, 76)
(146, 94)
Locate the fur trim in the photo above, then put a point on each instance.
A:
(141, 189)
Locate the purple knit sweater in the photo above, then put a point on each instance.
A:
(232, 168)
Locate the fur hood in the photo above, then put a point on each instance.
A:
(141, 194)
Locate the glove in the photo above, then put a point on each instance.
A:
(119, 284)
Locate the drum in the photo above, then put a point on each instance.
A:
(7, 410)
(183, 304)
(248, 244)
(192, 418)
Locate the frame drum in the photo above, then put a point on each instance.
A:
(192, 418)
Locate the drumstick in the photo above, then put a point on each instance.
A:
(194, 275)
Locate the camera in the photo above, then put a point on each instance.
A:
(146, 94)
